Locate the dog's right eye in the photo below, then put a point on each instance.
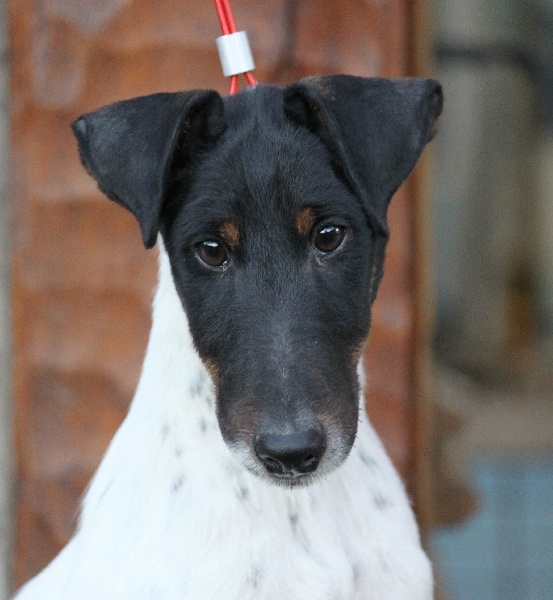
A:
(329, 238)
(212, 253)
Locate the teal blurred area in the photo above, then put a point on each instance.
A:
(505, 550)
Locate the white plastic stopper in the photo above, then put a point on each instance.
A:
(235, 53)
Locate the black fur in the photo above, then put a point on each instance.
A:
(281, 324)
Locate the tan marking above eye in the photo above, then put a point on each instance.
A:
(305, 220)
(229, 233)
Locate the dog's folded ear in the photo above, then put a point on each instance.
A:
(375, 129)
(129, 147)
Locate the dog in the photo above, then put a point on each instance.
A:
(246, 468)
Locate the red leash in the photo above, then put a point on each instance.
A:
(234, 49)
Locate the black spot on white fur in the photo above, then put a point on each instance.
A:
(106, 490)
(254, 577)
(177, 484)
(293, 518)
(384, 563)
(197, 388)
(381, 502)
(367, 460)
(355, 575)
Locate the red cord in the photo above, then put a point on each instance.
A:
(250, 78)
(228, 26)
(222, 14)
(230, 17)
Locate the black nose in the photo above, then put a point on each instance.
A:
(291, 455)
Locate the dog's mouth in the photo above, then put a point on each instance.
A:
(294, 481)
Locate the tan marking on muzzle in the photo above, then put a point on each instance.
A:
(212, 369)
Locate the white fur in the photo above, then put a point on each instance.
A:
(172, 515)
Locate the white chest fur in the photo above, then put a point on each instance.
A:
(172, 515)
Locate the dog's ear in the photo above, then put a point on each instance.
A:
(374, 128)
(130, 147)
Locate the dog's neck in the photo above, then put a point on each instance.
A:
(172, 411)
(176, 491)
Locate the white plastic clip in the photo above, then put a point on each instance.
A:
(235, 53)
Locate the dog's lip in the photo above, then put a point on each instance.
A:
(292, 481)
(290, 475)
(287, 475)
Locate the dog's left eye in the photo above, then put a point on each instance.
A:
(329, 238)
(212, 253)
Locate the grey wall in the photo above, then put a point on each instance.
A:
(484, 180)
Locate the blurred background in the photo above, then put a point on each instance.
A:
(460, 360)
(493, 261)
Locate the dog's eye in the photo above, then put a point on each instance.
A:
(212, 253)
(329, 238)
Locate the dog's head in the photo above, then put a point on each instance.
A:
(272, 207)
